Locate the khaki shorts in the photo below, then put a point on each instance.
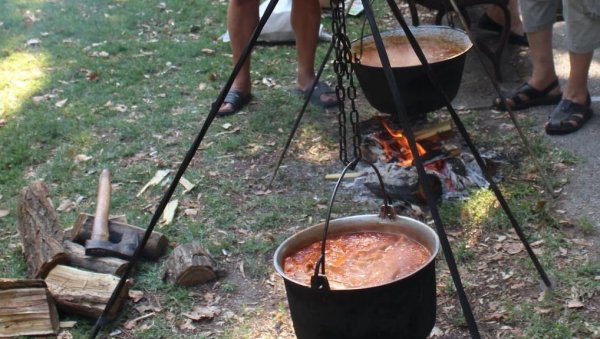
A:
(582, 18)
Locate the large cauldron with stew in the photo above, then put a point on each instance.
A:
(445, 49)
(388, 302)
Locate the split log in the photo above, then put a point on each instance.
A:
(77, 257)
(189, 265)
(85, 293)
(40, 231)
(433, 130)
(154, 249)
(26, 309)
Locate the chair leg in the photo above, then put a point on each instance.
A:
(495, 55)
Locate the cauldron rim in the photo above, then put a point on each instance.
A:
(467, 44)
(367, 220)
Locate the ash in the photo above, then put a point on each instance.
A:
(450, 178)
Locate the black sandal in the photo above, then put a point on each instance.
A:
(534, 97)
(320, 89)
(568, 117)
(237, 100)
(486, 23)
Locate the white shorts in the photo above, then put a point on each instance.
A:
(582, 19)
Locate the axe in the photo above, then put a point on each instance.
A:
(99, 243)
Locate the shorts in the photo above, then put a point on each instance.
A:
(582, 19)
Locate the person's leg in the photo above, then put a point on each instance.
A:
(305, 20)
(542, 88)
(542, 60)
(583, 24)
(574, 109)
(497, 15)
(576, 88)
(582, 20)
(242, 19)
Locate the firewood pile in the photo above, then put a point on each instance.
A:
(63, 279)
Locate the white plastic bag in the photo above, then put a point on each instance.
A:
(279, 27)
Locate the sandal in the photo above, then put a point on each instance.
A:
(568, 117)
(320, 89)
(237, 100)
(533, 97)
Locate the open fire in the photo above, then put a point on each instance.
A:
(450, 170)
(395, 146)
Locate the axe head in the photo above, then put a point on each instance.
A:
(123, 249)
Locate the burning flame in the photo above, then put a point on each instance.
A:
(398, 147)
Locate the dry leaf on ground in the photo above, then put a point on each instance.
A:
(202, 312)
(136, 295)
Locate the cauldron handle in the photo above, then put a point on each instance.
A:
(319, 281)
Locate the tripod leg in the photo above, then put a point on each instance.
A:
(404, 121)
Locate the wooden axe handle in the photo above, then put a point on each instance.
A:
(100, 226)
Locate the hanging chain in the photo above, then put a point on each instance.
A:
(342, 65)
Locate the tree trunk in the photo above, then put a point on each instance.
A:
(26, 309)
(77, 257)
(154, 249)
(40, 231)
(188, 265)
(85, 293)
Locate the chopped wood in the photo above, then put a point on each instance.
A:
(26, 309)
(41, 233)
(85, 293)
(154, 249)
(188, 265)
(7, 284)
(433, 130)
(77, 258)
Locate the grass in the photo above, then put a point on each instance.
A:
(138, 79)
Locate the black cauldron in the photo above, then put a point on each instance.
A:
(404, 308)
(416, 90)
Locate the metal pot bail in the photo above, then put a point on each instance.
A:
(319, 280)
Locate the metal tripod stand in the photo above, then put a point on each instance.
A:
(402, 117)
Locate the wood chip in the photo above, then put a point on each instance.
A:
(187, 185)
(158, 177)
(169, 212)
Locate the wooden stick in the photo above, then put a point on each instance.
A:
(348, 175)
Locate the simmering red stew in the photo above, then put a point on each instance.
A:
(401, 54)
(362, 259)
